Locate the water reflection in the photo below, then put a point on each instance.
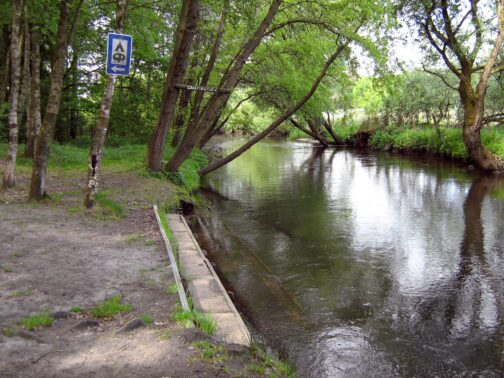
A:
(362, 262)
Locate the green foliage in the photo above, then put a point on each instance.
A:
(172, 289)
(111, 307)
(37, 321)
(133, 238)
(7, 269)
(108, 208)
(195, 318)
(346, 132)
(210, 352)
(21, 293)
(76, 309)
(147, 319)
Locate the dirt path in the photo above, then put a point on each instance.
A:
(55, 257)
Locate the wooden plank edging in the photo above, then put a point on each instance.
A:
(228, 300)
(173, 262)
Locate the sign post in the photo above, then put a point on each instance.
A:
(119, 48)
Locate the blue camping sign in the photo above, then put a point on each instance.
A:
(119, 48)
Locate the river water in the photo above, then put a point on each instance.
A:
(362, 264)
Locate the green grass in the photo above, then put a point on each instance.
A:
(8, 331)
(210, 352)
(172, 289)
(279, 367)
(107, 208)
(111, 307)
(195, 318)
(133, 238)
(7, 269)
(445, 141)
(37, 321)
(117, 158)
(147, 319)
(76, 309)
(21, 293)
(256, 368)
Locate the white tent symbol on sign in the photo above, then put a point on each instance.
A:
(119, 51)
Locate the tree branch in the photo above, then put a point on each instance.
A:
(443, 79)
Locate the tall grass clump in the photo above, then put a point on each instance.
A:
(188, 319)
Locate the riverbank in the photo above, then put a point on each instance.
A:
(445, 142)
(91, 292)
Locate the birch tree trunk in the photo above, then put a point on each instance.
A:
(43, 142)
(35, 118)
(100, 134)
(185, 32)
(9, 178)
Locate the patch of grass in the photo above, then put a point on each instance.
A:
(111, 307)
(274, 367)
(172, 289)
(7, 269)
(150, 242)
(147, 319)
(76, 309)
(21, 293)
(37, 321)
(108, 208)
(210, 352)
(75, 210)
(133, 238)
(202, 321)
(57, 197)
(8, 331)
(255, 368)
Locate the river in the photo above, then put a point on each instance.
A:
(361, 263)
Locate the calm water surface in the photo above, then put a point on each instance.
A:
(362, 264)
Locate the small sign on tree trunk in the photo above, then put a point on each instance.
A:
(119, 48)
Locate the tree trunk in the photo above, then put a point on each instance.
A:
(4, 62)
(195, 111)
(35, 118)
(216, 103)
(286, 115)
(43, 142)
(187, 25)
(24, 96)
(98, 144)
(474, 106)
(315, 128)
(217, 125)
(9, 178)
(180, 120)
(328, 127)
(309, 132)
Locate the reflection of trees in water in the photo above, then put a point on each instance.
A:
(463, 315)
(476, 303)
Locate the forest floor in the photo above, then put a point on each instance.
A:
(60, 261)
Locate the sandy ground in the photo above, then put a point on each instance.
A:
(55, 256)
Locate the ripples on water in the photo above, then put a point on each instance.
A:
(362, 264)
